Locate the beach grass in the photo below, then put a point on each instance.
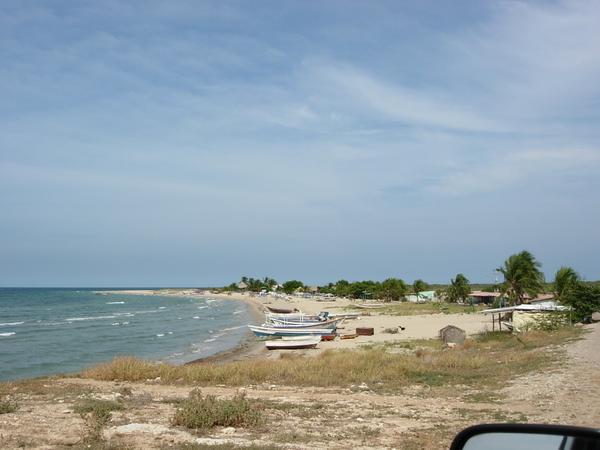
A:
(413, 309)
(489, 358)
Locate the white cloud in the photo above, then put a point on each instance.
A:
(396, 102)
(515, 169)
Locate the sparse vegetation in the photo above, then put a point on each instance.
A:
(201, 412)
(488, 358)
(222, 447)
(96, 414)
(412, 309)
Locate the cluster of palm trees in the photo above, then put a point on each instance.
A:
(523, 277)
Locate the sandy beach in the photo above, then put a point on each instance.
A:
(423, 326)
(410, 327)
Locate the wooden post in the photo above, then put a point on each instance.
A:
(499, 323)
(493, 322)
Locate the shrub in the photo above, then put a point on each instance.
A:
(204, 412)
(7, 407)
(96, 414)
(584, 299)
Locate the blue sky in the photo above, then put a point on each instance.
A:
(189, 143)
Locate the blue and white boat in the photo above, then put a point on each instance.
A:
(276, 323)
(268, 331)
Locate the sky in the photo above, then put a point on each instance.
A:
(189, 143)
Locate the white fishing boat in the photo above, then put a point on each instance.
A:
(262, 331)
(276, 323)
(293, 342)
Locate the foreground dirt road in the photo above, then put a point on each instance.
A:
(312, 418)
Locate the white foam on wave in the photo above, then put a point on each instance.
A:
(11, 324)
(48, 324)
(238, 311)
(210, 340)
(79, 319)
(162, 307)
(160, 335)
(125, 323)
(233, 328)
(211, 300)
(202, 307)
(196, 317)
(115, 303)
(7, 334)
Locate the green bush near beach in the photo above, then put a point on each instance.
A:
(201, 412)
(489, 358)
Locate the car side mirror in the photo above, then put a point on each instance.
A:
(526, 437)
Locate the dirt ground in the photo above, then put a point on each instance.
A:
(311, 418)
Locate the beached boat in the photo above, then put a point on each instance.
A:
(347, 315)
(262, 331)
(370, 305)
(291, 318)
(281, 310)
(298, 317)
(297, 342)
(275, 323)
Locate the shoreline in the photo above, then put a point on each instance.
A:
(388, 327)
(249, 347)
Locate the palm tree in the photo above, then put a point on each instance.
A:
(564, 280)
(522, 276)
(459, 289)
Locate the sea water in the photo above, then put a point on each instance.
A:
(52, 331)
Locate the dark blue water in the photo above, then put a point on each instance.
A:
(50, 331)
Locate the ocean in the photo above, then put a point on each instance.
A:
(52, 331)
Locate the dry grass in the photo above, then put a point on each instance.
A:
(412, 309)
(222, 447)
(490, 358)
(46, 388)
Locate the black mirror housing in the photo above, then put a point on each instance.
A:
(561, 437)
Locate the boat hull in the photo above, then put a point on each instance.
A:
(293, 344)
(278, 332)
(275, 323)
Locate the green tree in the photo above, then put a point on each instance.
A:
(392, 289)
(565, 279)
(522, 276)
(342, 288)
(583, 298)
(363, 289)
(289, 287)
(459, 289)
(419, 286)
(269, 283)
